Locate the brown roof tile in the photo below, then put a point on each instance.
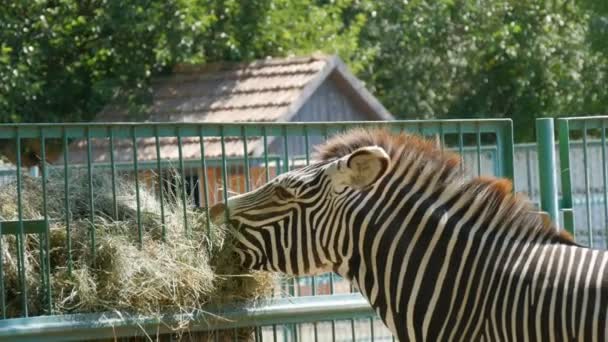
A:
(260, 91)
(216, 92)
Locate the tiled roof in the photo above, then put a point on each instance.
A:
(261, 91)
(257, 91)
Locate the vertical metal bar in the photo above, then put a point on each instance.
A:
(605, 181)
(43, 242)
(191, 185)
(214, 177)
(441, 137)
(587, 193)
(565, 172)
(46, 260)
(140, 231)
(258, 334)
(546, 167)
(66, 200)
(224, 169)
(461, 146)
(205, 180)
(478, 143)
(21, 235)
(265, 142)
(246, 159)
(182, 180)
(371, 328)
(274, 333)
(529, 173)
(496, 159)
(307, 145)
(285, 151)
(353, 329)
(508, 153)
(313, 279)
(90, 185)
(307, 153)
(331, 274)
(2, 291)
(160, 184)
(113, 169)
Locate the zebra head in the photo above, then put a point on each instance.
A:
(287, 224)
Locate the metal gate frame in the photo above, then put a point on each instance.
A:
(566, 127)
(274, 311)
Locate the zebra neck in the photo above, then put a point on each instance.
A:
(416, 212)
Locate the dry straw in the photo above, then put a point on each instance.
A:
(180, 274)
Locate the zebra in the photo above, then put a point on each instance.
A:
(439, 256)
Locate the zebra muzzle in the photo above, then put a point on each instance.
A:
(217, 213)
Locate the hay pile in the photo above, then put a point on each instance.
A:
(178, 275)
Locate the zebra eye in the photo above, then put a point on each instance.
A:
(283, 193)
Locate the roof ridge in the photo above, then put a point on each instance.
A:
(185, 68)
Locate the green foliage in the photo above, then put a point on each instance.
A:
(63, 60)
(506, 58)
(598, 24)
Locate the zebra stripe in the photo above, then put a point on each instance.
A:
(439, 257)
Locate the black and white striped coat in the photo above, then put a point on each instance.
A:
(439, 257)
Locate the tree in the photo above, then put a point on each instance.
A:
(63, 61)
(506, 58)
(598, 23)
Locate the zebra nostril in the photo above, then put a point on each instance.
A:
(216, 213)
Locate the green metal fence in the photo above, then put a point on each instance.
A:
(210, 162)
(584, 178)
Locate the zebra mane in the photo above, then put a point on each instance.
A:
(396, 145)
(498, 191)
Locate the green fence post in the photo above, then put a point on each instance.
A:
(563, 127)
(507, 152)
(21, 266)
(546, 167)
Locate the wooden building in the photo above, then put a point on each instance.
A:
(304, 89)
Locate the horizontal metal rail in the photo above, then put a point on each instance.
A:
(109, 325)
(145, 130)
(580, 122)
(166, 164)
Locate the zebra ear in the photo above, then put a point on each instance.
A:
(365, 166)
